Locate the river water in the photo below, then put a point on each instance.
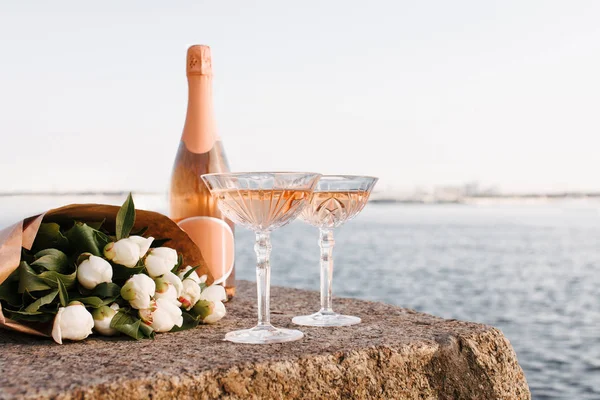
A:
(533, 271)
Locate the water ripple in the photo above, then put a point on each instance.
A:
(534, 272)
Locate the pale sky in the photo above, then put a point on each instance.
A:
(419, 93)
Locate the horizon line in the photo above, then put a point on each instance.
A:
(563, 193)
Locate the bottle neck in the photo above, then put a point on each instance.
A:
(199, 131)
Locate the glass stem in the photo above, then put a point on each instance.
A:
(262, 247)
(326, 243)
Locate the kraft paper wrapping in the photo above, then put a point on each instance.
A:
(22, 234)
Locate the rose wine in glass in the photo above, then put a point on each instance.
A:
(200, 152)
(335, 200)
(262, 202)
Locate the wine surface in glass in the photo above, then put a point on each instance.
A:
(329, 209)
(261, 209)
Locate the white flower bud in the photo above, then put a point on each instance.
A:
(102, 319)
(166, 316)
(168, 287)
(218, 311)
(93, 271)
(214, 293)
(210, 311)
(142, 242)
(193, 276)
(160, 261)
(210, 306)
(73, 322)
(174, 280)
(190, 294)
(138, 290)
(124, 252)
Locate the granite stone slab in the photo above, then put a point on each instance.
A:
(396, 353)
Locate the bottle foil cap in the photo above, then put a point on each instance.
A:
(198, 60)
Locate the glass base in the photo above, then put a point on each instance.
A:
(264, 335)
(322, 319)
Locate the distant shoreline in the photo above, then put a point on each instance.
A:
(85, 193)
(377, 198)
(509, 198)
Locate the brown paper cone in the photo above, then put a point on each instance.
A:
(22, 234)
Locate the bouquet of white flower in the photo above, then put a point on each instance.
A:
(77, 278)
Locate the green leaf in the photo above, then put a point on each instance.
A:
(122, 273)
(26, 255)
(9, 292)
(95, 302)
(85, 239)
(51, 260)
(49, 236)
(105, 290)
(30, 317)
(27, 297)
(102, 239)
(125, 218)
(140, 232)
(42, 301)
(147, 330)
(191, 271)
(131, 326)
(29, 281)
(63, 295)
(97, 225)
(179, 263)
(51, 278)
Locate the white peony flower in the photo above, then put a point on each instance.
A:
(169, 287)
(166, 316)
(73, 322)
(190, 294)
(210, 311)
(147, 313)
(194, 276)
(124, 252)
(160, 261)
(214, 293)
(93, 271)
(138, 290)
(102, 319)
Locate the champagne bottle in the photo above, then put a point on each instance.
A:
(201, 152)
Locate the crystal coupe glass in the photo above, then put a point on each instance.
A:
(335, 200)
(262, 202)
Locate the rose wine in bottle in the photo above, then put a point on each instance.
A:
(201, 152)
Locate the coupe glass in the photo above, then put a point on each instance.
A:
(335, 200)
(262, 202)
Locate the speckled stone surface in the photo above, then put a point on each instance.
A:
(395, 353)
